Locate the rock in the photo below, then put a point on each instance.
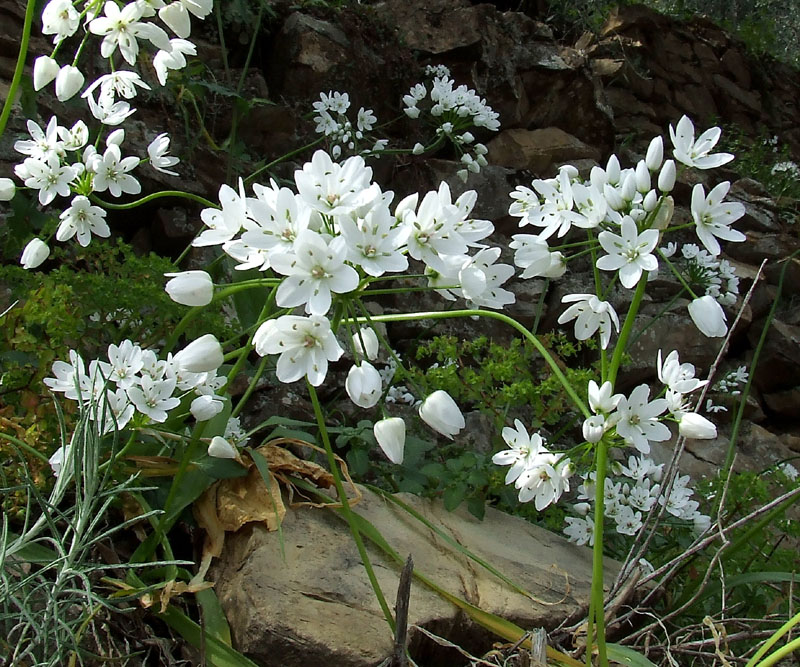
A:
(735, 64)
(779, 363)
(749, 99)
(784, 404)
(760, 214)
(537, 150)
(314, 605)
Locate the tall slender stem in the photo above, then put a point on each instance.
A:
(337, 480)
(30, 10)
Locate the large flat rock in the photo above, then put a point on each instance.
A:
(315, 604)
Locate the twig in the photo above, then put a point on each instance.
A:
(399, 658)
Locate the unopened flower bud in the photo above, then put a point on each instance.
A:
(628, 191)
(363, 385)
(206, 407)
(440, 412)
(34, 254)
(190, 288)
(220, 448)
(642, 178)
(7, 189)
(666, 178)
(201, 356)
(390, 434)
(69, 81)
(418, 149)
(655, 154)
(366, 343)
(45, 69)
(593, 428)
(650, 201)
(582, 509)
(613, 170)
(708, 316)
(696, 427)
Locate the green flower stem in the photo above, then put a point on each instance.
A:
(250, 387)
(406, 290)
(30, 10)
(337, 480)
(598, 288)
(792, 622)
(155, 195)
(780, 653)
(597, 600)
(439, 315)
(627, 327)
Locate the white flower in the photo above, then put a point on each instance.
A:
(43, 144)
(154, 397)
(45, 69)
(366, 343)
(201, 355)
(524, 452)
(83, 219)
(636, 419)
(335, 189)
(696, 427)
(708, 316)
(125, 360)
(602, 400)
(580, 530)
(315, 269)
(190, 288)
(172, 59)
(696, 153)
(111, 173)
(677, 376)
(545, 482)
(206, 407)
(306, 345)
(68, 82)
(121, 27)
(34, 254)
(107, 111)
(374, 241)
(220, 448)
(56, 461)
(480, 280)
(224, 223)
(74, 138)
(440, 412)
(61, 19)
(391, 436)
(47, 176)
(630, 252)
(121, 82)
(593, 428)
(713, 217)
(592, 315)
(70, 378)
(363, 385)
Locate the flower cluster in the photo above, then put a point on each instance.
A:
(134, 380)
(714, 275)
(539, 474)
(331, 119)
(628, 210)
(630, 497)
(453, 110)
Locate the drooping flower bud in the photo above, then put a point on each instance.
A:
(366, 343)
(34, 254)
(201, 355)
(45, 69)
(69, 81)
(190, 288)
(363, 385)
(708, 316)
(7, 189)
(220, 448)
(440, 412)
(696, 427)
(391, 436)
(206, 407)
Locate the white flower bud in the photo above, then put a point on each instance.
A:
(440, 412)
(655, 154)
(34, 254)
(69, 81)
(642, 178)
(666, 178)
(201, 356)
(45, 69)
(363, 385)
(696, 427)
(650, 201)
(418, 149)
(613, 170)
(613, 197)
(7, 189)
(116, 137)
(190, 288)
(220, 448)
(366, 343)
(557, 268)
(628, 191)
(206, 407)
(708, 316)
(391, 436)
(593, 428)
(582, 509)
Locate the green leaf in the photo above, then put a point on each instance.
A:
(476, 507)
(453, 496)
(220, 468)
(358, 461)
(214, 620)
(216, 652)
(627, 656)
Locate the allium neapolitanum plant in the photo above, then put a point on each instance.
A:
(335, 240)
